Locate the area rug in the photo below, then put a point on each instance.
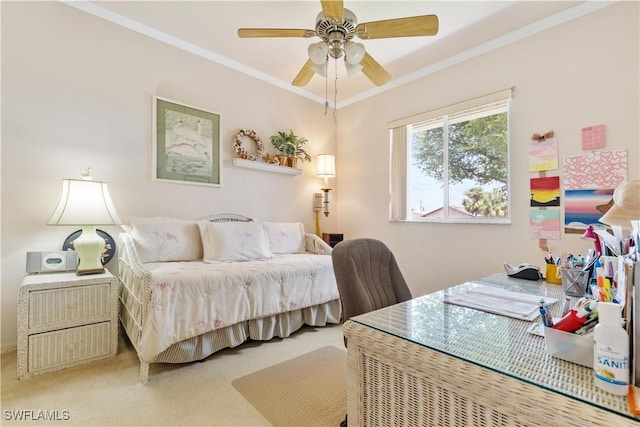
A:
(309, 390)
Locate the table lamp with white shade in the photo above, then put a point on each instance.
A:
(86, 203)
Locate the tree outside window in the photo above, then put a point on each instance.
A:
(458, 166)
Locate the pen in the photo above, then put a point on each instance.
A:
(566, 305)
(547, 320)
(610, 272)
(549, 259)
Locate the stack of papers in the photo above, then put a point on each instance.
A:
(500, 301)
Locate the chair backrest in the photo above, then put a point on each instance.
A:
(368, 276)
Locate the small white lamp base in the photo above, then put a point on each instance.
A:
(90, 248)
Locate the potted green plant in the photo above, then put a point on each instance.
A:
(291, 147)
(279, 142)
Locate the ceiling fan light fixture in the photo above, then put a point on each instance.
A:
(318, 52)
(336, 26)
(353, 52)
(352, 69)
(320, 69)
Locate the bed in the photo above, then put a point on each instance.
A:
(184, 307)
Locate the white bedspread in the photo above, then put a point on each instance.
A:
(191, 298)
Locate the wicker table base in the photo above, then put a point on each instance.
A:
(394, 382)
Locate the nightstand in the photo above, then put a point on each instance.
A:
(332, 239)
(66, 320)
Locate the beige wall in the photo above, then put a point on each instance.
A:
(77, 92)
(582, 73)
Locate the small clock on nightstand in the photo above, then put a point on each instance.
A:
(332, 239)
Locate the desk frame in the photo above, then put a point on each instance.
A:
(392, 382)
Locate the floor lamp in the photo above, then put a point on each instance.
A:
(326, 170)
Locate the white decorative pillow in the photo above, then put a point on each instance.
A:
(285, 237)
(234, 241)
(166, 239)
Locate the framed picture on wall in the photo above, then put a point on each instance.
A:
(186, 144)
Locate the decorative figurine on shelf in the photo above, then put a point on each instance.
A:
(272, 159)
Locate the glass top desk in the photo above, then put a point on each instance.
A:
(425, 362)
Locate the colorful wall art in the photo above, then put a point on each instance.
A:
(544, 223)
(543, 155)
(545, 191)
(589, 180)
(593, 137)
(581, 208)
(605, 169)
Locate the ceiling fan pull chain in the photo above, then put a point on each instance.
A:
(326, 87)
(335, 85)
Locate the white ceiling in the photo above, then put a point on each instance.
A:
(208, 29)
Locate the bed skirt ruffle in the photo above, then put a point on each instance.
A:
(281, 325)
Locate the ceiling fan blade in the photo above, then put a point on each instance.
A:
(274, 32)
(304, 75)
(333, 8)
(425, 25)
(374, 71)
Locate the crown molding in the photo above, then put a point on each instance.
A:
(514, 36)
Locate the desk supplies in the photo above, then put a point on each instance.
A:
(551, 274)
(632, 398)
(571, 347)
(566, 305)
(549, 259)
(574, 281)
(576, 318)
(545, 314)
(571, 322)
(523, 271)
(587, 326)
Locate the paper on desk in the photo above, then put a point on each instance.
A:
(500, 301)
(610, 241)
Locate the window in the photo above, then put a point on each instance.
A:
(452, 164)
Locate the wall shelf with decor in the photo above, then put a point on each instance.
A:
(251, 164)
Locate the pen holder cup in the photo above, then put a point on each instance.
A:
(551, 274)
(574, 281)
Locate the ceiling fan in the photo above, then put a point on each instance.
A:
(336, 27)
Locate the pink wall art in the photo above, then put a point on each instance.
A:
(544, 223)
(543, 155)
(605, 169)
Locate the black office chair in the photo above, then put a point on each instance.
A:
(368, 278)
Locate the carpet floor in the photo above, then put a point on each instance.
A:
(309, 390)
(109, 392)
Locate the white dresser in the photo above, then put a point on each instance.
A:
(66, 320)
